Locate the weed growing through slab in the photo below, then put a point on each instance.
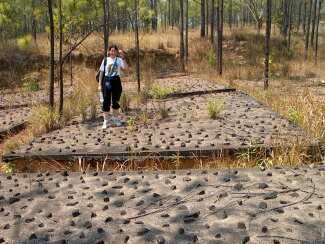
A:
(211, 57)
(11, 145)
(125, 102)
(31, 83)
(144, 118)
(159, 92)
(8, 168)
(131, 123)
(93, 109)
(24, 42)
(214, 108)
(163, 111)
(43, 119)
(294, 116)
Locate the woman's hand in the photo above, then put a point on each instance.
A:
(121, 53)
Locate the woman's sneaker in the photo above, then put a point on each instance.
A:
(117, 122)
(104, 124)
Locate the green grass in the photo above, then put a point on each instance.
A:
(214, 108)
(160, 92)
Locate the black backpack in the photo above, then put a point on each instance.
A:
(98, 73)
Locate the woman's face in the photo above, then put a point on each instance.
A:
(113, 52)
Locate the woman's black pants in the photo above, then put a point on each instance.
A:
(112, 90)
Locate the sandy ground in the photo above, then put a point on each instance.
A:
(279, 205)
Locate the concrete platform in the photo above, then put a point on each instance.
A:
(280, 205)
(187, 131)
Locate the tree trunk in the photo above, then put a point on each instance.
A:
(317, 30)
(34, 26)
(181, 35)
(51, 62)
(186, 31)
(71, 70)
(308, 30)
(220, 37)
(230, 15)
(202, 18)
(137, 45)
(106, 25)
(313, 23)
(207, 18)
(299, 16)
(267, 43)
(154, 18)
(304, 18)
(169, 16)
(212, 22)
(290, 23)
(60, 59)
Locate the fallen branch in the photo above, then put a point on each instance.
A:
(306, 198)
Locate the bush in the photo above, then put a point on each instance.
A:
(160, 92)
(294, 116)
(163, 111)
(131, 123)
(214, 108)
(211, 57)
(44, 119)
(125, 102)
(31, 82)
(11, 145)
(24, 42)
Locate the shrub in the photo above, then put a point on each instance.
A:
(131, 122)
(24, 42)
(31, 83)
(125, 102)
(93, 108)
(43, 119)
(11, 145)
(211, 57)
(144, 118)
(161, 46)
(163, 111)
(294, 116)
(9, 168)
(214, 108)
(160, 92)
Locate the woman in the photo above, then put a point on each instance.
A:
(111, 86)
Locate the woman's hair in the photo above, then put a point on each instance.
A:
(113, 46)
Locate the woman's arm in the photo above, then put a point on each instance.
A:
(101, 75)
(124, 66)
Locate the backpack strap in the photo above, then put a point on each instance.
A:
(113, 67)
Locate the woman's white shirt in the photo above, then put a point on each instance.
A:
(113, 71)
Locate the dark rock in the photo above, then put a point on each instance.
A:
(241, 226)
(33, 236)
(262, 205)
(142, 231)
(271, 195)
(87, 225)
(264, 229)
(238, 187)
(222, 214)
(100, 231)
(75, 213)
(13, 200)
(161, 240)
(245, 240)
(263, 185)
